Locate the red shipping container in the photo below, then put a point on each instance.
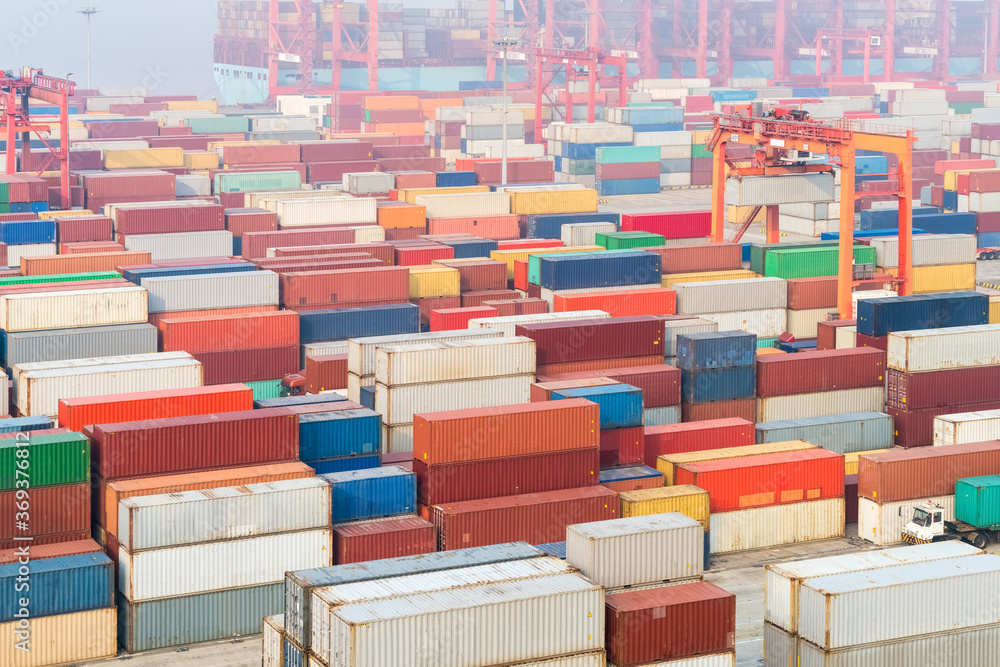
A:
(660, 383)
(412, 164)
(827, 370)
(376, 540)
(449, 319)
(404, 234)
(325, 372)
(517, 306)
(334, 151)
(83, 228)
(236, 154)
(826, 333)
(697, 436)
(535, 518)
(548, 370)
(521, 268)
(187, 143)
(476, 276)
(130, 184)
(477, 299)
(139, 448)
(621, 447)
(988, 222)
(851, 499)
(111, 129)
(324, 266)
(54, 510)
(155, 318)
(812, 293)
(936, 389)
(229, 332)
(89, 247)
(496, 227)
(669, 623)
(328, 172)
(942, 166)
(652, 301)
(770, 479)
(680, 225)
(705, 257)
(166, 219)
(529, 244)
(880, 343)
(240, 221)
(56, 550)
(395, 152)
(14, 217)
(75, 413)
(303, 260)
(586, 340)
(508, 476)
(232, 199)
(925, 472)
(742, 408)
(627, 171)
(915, 428)
(423, 255)
(381, 251)
(430, 304)
(415, 180)
(255, 244)
(345, 287)
(269, 363)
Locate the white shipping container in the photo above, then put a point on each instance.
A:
(104, 103)
(770, 190)
(451, 361)
(543, 618)
(223, 513)
(921, 108)
(476, 118)
(17, 369)
(596, 133)
(269, 200)
(849, 609)
(397, 405)
(769, 323)
(819, 211)
(193, 185)
(821, 404)
(674, 180)
(72, 310)
(39, 392)
(397, 439)
(368, 234)
(845, 337)
(213, 566)
(869, 294)
(774, 525)
(183, 245)
(727, 659)
(727, 296)
(675, 328)
(984, 202)
(274, 641)
(16, 252)
(62, 639)
(585, 233)
(670, 414)
(369, 183)
(804, 323)
(928, 249)
(783, 581)
(637, 550)
(111, 145)
(326, 211)
(674, 152)
(588, 659)
(965, 427)
(321, 349)
(469, 204)
(212, 290)
(677, 138)
(354, 384)
(361, 351)
(943, 349)
(883, 524)
(326, 599)
(508, 323)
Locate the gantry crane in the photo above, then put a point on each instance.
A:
(773, 138)
(593, 60)
(15, 118)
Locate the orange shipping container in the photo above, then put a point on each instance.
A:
(653, 301)
(496, 227)
(596, 365)
(83, 263)
(399, 129)
(90, 247)
(391, 102)
(107, 495)
(402, 216)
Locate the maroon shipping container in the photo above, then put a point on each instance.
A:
(404, 233)
(741, 408)
(381, 251)
(325, 372)
(693, 258)
(396, 152)
(188, 143)
(166, 219)
(54, 510)
(915, 428)
(395, 116)
(827, 370)
(826, 333)
(678, 225)
(85, 160)
(925, 472)
(430, 304)
(479, 298)
(84, 228)
(388, 538)
(334, 151)
(811, 293)
(240, 221)
(324, 172)
(412, 163)
(161, 446)
(539, 392)
(934, 389)
(477, 276)
(548, 370)
(517, 306)
(332, 288)
(248, 331)
(519, 171)
(293, 260)
(669, 623)
(143, 184)
(509, 476)
(337, 265)
(988, 222)
(851, 498)
(173, 131)
(422, 255)
(622, 447)
(660, 384)
(228, 366)
(880, 343)
(584, 340)
(627, 171)
(259, 154)
(697, 436)
(255, 244)
(535, 518)
(413, 180)
(123, 129)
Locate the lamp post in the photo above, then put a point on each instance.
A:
(88, 12)
(505, 43)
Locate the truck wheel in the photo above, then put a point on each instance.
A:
(979, 540)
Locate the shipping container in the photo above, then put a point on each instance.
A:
(83, 263)
(775, 525)
(398, 404)
(686, 499)
(841, 433)
(883, 523)
(620, 404)
(820, 371)
(60, 586)
(715, 350)
(942, 349)
(218, 290)
(595, 339)
(349, 323)
(920, 473)
(718, 384)
(55, 550)
(388, 538)
(668, 464)
(73, 309)
(63, 639)
(454, 360)
(722, 296)
(62, 510)
(660, 384)
(372, 493)
(935, 389)
(965, 427)
(77, 343)
(697, 258)
(230, 332)
(820, 404)
(882, 316)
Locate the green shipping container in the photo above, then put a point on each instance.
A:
(229, 124)
(629, 240)
(4, 195)
(4, 207)
(257, 181)
(53, 459)
(699, 150)
(810, 262)
(964, 108)
(977, 501)
(627, 154)
(265, 389)
(759, 250)
(766, 342)
(60, 278)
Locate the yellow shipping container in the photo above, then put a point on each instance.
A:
(739, 213)
(994, 311)
(536, 202)
(943, 278)
(193, 105)
(668, 463)
(508, 257)
(63, 639)
(201, 159)
(699, 137)
(48, 215)
(144, 157)
(851, 460)
(457, 33)
(410, 196)
(687, 499)
(392, 102)
(433, 281)
(672, 279)
(765, 351)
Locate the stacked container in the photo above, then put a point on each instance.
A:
(717, 368)
(621, 411)
(565, 346)
(756, 305)
(627, 170)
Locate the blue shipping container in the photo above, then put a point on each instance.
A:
(733, 95)
(554, 549)
(621, 404)
(317, 326)
(871, 164)
(294, 655)
(324, 435)
(550, 226)
(989, 240)
(455, 179)
(658, 127)
(137, 275)
(716, 349)
(652, 115)
(627, 474)
(305, 399)
(796, 346)
(23, 232)
(586, 151)
(59, 586)
(810, 92)
(720, 384)
(628, 186)
(38, 206)
(466, 249)
(880, 317)
(367, 398)
(18, 424)
(950, 200)
(866, 234)
(368, 494)
(573, 271)
(344, 464)
(949, 223)
(843, 434)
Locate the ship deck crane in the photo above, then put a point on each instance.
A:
(772, 138)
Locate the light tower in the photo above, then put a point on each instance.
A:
(88, 12)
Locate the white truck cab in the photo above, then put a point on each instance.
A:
(926, 525)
